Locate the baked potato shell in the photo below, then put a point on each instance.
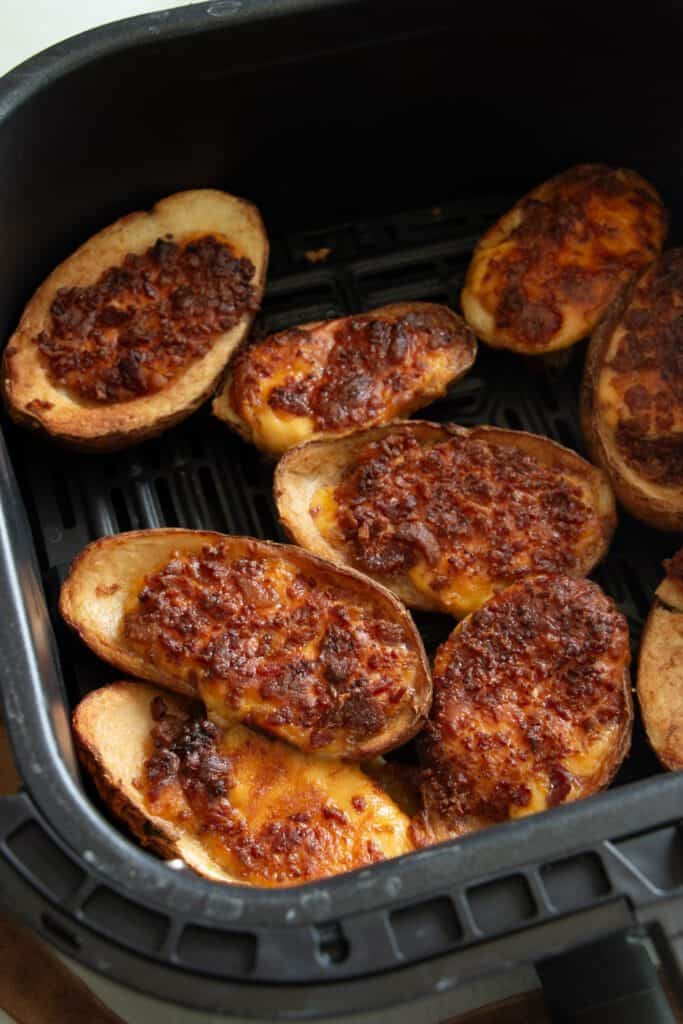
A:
(108, 574)
(113, 734)
(430, 824)
(655, 504)
(33, 400)
(660, 675)
(315, 464)
(111, 729)
(579, 313)
(224, 409)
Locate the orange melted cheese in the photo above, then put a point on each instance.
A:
(461, 519)
(340, 375)
(531, 704)
(267, 814)
(296, 654)
(543, 276)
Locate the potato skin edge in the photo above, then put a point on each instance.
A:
(651, 720)
(649, 508)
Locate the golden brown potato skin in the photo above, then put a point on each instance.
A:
(325, 379)
(235, 805)
(36, 399)
(632, 394)
(264, 633)
(442, 515)
(543, 276)
(660, 668)
(532, 705)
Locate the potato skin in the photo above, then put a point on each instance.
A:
(532, 705)
(658, 505)
(315, 464)
(115, 780)
(34, 401)
(327, 378)
(660, 669)
(289, 818)
(107, 576)
(542, 277)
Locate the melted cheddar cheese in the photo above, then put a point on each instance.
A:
(277, 429)
(542, 277)
(459, 595)
(331, 377)
(459, 519)
(264, 812)
(301, 655)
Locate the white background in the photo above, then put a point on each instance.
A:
(26, 27)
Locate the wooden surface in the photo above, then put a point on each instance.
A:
(9, 780)
(36, 987)
(528, 1008)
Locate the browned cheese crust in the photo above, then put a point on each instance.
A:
(660, 668)
(263, 633)
(532, 705)
(324, 379)
(235, 805)
(446, 516)
(543, 276)
(632, 395)
(131, 333)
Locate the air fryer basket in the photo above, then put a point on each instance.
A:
(332, 117)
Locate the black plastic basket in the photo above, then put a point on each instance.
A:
(324, 114)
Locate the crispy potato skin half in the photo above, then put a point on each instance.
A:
(234, 805)
(543, 276)
(308, 477)
(111, 729)
(632, 395)
(32, 396)
(264, 633)
(532, 706)
(660, 668)
(327, 378)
